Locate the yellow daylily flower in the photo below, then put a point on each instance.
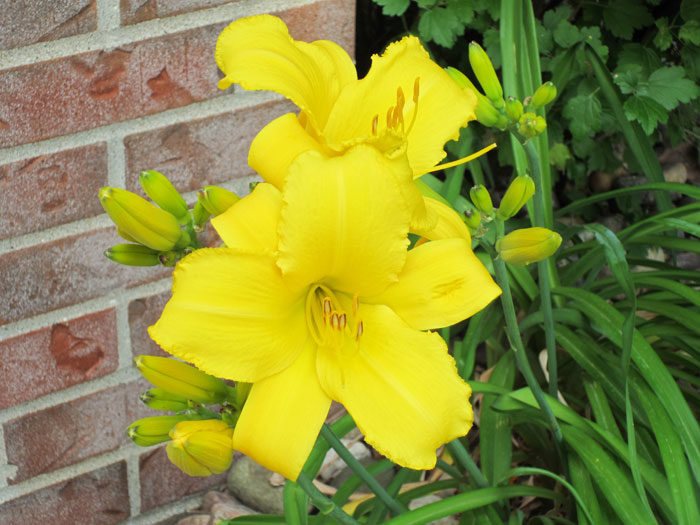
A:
(407, 106)
(323, 301)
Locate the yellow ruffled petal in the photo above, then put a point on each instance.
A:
(442, 109)
(250, 225)
(277, 145)
(448, 225)
(232, 316)
(282, 417)
(343, 222)
(442, 283)
(258, 53)
(400, 386)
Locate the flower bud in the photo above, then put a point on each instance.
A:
(153, 430)
(201, 448)
(543, 96)
(517, 194)
(481, 199)
(531, 125)
(163, 193)
(487, 114)
(528, 245)
(461, 79)
(140, 220)
(485, 74)
(182, 379)
(132, 255)
(200, 215)
(473, 219)
(159, 399)
(217, 200)
(514, 109)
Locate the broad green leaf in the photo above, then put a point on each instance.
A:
(441, 26)
(393, 7)
(646, 111)
(583, 112)
(581, 480)
(567, 34)
(622, 17)
(668, 86)
(462, 10)
(690, 10)
(663, 38)
(558, 155)
(592, 36)
(633, 55)
(552, 18)
(690, 32)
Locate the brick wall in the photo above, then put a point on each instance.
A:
(91, 93)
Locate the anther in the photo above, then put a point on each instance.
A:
(400, 99)
(360, 329)
(355, 303)
(342, 321)
(335, 321)
(327, 307)
(416, 89)
(389, 113)
(375, 123)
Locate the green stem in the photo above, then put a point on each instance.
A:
(322, 503)
(461, 456)
(545, 271)
(516, 341)
(394, 506)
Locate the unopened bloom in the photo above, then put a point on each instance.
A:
(317, 298)
(407, 106)
(528, 245)
(518, 193)
(201, 448)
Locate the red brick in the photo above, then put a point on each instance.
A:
(98, 498)
(162, 482)
(51, 189)
(200, 152)
(97, 88)
(29, 21)
(134, 11)
(143, 313)
(74, 431)
(64, 272)
(65, 354)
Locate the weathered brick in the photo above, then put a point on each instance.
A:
(54, 358)
(99, 497)
(29, 21)
(97, 88)
(162, 482)
(134, 11)
(143, 313)
(71, 432)
(53, 189)
(200, 152)
(64, 272)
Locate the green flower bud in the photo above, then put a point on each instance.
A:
(485, 74)
(514, 108)
(481, 199)
(163, 193)
(182, 379)
(461, 79)
(473, 219)
(487, 114)
(160, 399)
(201, 448)
(132, 255)
(200, 215)
(153, 430)
(528, 245)
(217, 200)
(531, 125)
(543, 96)
(138, 219)
(517, 194)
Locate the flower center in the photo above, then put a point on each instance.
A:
(395, 116)
(328, 322)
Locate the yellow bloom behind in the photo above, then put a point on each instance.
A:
(316, 298)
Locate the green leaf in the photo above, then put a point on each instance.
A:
(690, 57)
(628, 78)
(592, 36)
(690, 32)
(663, 38)
(567, 34)
(637, 55)
(558, 155)
(668, 86)
(393, 7)
(583, 112)
(622, 17)
(552, 18)
(441, 26)
(462, 10)
(690, 10)
(646, 111)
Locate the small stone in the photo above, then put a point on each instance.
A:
(198, 519)
(333, 465)
(676, 173)
(250, 483)
(228, 511)
(431, 498)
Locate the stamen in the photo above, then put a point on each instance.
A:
(460, 161)
(389, 113)
(355, 304)
(335, 321)
(327, 308)
(375, 123)
(342, 321)
(416, 91)
(400, 99)
(360, 330)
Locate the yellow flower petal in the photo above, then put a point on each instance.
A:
(231, 315)
(443, 107)
(400, 386)
(201, 448)
(277, 145)
(282, 417)
(442, 283)
(258, 53)
(343, 221)
(250, 225)
(448, 225)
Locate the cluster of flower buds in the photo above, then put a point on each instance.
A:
(160, 234)
(199, 438)
(492, 110)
